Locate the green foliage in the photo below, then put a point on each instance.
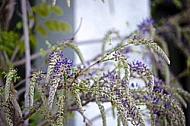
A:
(57, 10)
(19, 25)
(9, 40)
(41, 30)
(44, 9)
(178, 3)
(33, 40)
(55, 25)
(42, 52)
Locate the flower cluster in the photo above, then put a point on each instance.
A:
(61, 64)
(59, 69)
(146, 25)
(139, 67)
(115, 87)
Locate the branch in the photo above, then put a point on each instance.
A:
(27, 56)
(71, 107)
(37, 54)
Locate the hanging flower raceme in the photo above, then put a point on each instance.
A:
(58, 68)
(141, 69)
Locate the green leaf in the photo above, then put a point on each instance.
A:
(42, 52)
(57, 10)
(42, 9)
(19, 25)
(8, 41)
(48, 44)
(32, 39)
(21, 47)
(64, 26)
(56, 25)
(41, 30)
(50, 25)
(177, 3)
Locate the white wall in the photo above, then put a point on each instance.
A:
(97, 19)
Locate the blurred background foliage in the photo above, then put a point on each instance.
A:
(172, 22)
(11, 37)
(44, 10)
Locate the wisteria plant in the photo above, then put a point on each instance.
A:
(66, 87)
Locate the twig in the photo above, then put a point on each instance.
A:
(180, 75)
(77, 29)
(20, 83)
(14, 54)
(71, 107)
(27, 57)
(37, 55)
(34, 56)
(99, 116)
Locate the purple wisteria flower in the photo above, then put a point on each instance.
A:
(110, 77)
(146, 25)
(139, 67)
(61, 65)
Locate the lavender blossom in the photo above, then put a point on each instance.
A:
(61, 65)
(146, 25)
